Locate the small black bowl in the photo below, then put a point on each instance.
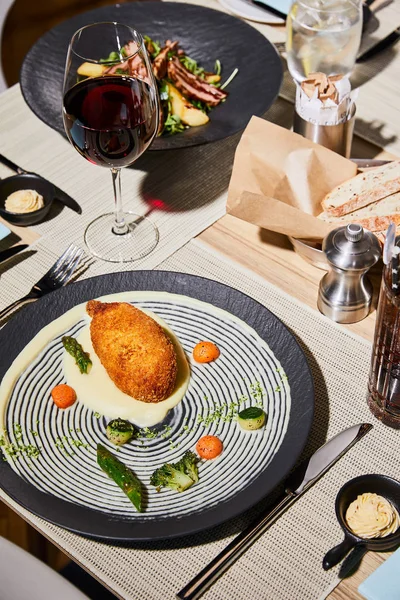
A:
(26, 181)
(376, 484)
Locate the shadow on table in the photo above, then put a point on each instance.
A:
(15, 260)
(375, 131)
(365, 71)
(188, 178)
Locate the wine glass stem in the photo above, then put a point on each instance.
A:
(119, 227)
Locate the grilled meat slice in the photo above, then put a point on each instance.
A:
(160, 62)
(134, 66)
(193, 86)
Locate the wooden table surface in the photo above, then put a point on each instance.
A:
(271, 256)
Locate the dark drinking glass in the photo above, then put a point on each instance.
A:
(384, 377)
(110, 112)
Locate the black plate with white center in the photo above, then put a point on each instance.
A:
(204, 34)
(65, 486)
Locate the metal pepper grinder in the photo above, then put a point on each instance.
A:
(345, 292)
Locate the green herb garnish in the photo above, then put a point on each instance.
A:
(153, 47)
(173, 124)
(191, 65)
(257, 391)
(62, 443)
(114, 57)
(19, 448)
(230, 78)
(163, 90)
(200, 105)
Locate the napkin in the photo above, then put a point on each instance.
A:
(384, 582)
(279, 179)
(4, 231)
(281, 6)
(325, 100)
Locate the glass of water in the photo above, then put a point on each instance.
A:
(323, 35)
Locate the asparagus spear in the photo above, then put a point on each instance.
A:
(74, 348)
(121, 474)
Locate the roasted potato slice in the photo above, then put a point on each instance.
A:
(193, 116)
(212, 78)
(177, 101)
(188, 114)
(91, 69)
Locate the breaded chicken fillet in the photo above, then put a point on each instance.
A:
(136, 353)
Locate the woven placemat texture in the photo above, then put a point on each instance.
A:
(285, 564)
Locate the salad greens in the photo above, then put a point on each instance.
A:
(185, 100)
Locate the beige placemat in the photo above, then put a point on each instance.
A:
(192, 185)
(285, 564)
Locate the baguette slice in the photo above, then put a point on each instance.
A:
(374, 217)
(362, 190)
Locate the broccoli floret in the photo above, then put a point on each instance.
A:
(169, 476)
(188, 465)
(179, 476)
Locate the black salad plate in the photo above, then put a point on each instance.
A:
(205, 35)
(260, 362)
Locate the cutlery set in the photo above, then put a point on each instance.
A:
(63, 269)
(57, 276)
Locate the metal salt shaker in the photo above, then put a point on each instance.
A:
(345, 292)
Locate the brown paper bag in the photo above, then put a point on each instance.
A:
(279, 179)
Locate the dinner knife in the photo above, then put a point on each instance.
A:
(9, 252)
(387, 41)
(59, 194)
(270, 9)
(302, 478)
(366, 163)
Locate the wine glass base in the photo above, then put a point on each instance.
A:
(140, 239)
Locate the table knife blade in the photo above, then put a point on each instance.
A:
(367, 163)
(60, 195)
(302, 478)
(9, 252)
(386, 42)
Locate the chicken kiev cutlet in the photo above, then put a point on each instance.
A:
(135, 351)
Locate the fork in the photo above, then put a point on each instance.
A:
(57, 276)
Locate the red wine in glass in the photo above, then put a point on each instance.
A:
(110, 120)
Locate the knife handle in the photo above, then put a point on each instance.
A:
(199, 584)
(9, 163)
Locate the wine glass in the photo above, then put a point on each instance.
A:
(110, 112)
(323, 35)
